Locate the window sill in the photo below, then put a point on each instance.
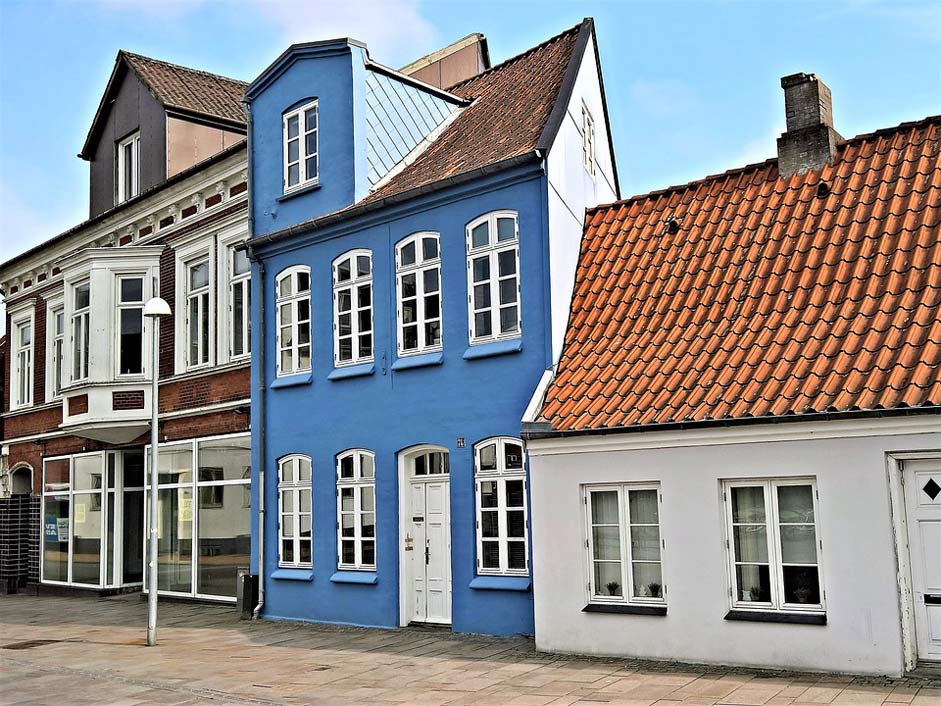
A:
(360, 577)
(352, 371)
(419, 361)
(298, 191)
(625, 609)
(293, 575)
(292, 380)
(773, 616)
(489, 350)
(501, 583)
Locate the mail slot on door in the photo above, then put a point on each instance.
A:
(416, 518)
(932, 599)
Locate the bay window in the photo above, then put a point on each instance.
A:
(130, 325)
(624, 545)
(294, 512)
(240, 303)
(773, 544)
(493, 282)
(418, 293)
(502, 537)
(300, 145)
(356, 510)
(293, 320)
(22, 361)
(352, 308)
(81, 303)
(198, 313)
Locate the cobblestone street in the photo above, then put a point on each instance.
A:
(90, 651)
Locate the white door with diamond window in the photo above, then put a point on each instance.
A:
(922, 480)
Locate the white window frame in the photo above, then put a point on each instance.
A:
(119, 307)
(79, 351)
(237, 282)
(353, 286)
(588, 141)
(492, 251)
(295, 486)
(358, 483)
(205, 300)
(134, 142)
(500, 475)
(23, 362)
(304, 179)
(777, 603)
(627, 596)
(292, 300)
(55, 349)
(418, 268)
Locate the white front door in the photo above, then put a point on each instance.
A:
(922, 481)
(431, 554)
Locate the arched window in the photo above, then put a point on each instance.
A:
(352, 308)
(293, 315)
(356, 510)
(21, 479)
(493, 282)
(502, 518)
(418, 293)
(294, 512)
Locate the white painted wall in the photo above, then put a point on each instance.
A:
(863, 633)
(572, 189)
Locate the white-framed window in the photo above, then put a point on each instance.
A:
(624, 546)
(418, 293)
(774, 544)
(356, 510)
(493, 283)
(502, 517)
(128, 167)
(301, 158)
(23, 348)
(130, 333)
(293, 314)
(81, 304)
(352, 308)
(240, 303)
(295, 547)
(199, 319)
(55, 353)
(588, 140)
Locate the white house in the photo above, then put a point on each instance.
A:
(738, 459)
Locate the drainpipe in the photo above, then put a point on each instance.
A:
(259, 409)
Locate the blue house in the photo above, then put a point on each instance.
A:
(414, 251)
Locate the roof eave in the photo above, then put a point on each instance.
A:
(93, 130)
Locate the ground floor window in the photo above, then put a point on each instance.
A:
(356, 510)
(203, 523)
(624, 545)
(294, 512)
(774, 544)
(501, 507)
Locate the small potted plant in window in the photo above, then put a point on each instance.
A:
(614, 588)
(653, 589)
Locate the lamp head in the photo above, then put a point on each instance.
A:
(156, 308)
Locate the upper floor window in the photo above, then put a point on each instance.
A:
(81, 301)
(130, 325)
(240, 303)
(418, 291)
(352, 308)
(294, 511)
(356, 510)
(23, 361)
(301, 161)
(588, 140)
(493, 277)
(502, 543)
(128, 167)
(293, 314)
(55, 342)
(198, 313)
(774, 542)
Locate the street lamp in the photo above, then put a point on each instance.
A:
(154, 309)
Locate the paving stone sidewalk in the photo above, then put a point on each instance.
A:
(75, 651)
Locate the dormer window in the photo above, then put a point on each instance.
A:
(128, 167)
(301, 161)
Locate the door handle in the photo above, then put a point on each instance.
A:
(428, 558)
(932, 599)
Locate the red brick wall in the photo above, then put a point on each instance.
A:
(127, 399)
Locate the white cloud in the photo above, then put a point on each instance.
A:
(395, 30)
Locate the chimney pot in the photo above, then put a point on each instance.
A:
(810, 142)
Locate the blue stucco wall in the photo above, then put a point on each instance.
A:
(388, 410)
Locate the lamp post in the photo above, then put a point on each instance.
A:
(154, 309)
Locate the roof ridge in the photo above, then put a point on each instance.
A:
(506, 62)
(755, 166)
(189, 69)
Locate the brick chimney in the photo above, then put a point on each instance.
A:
(810, 141)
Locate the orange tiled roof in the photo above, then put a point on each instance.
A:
(773, 297)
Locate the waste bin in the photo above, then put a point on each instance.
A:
(246, 593)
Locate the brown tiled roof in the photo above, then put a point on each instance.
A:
(189, 89)
(774, 297)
